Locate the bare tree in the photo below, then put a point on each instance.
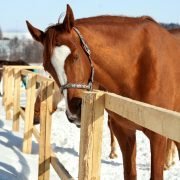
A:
(3, 54)
(32, 52)
(15, 49)
(27, 50)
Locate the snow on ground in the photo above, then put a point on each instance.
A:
(14, 165)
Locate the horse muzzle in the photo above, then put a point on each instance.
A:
(74, 119)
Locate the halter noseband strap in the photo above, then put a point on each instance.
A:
(91, 79)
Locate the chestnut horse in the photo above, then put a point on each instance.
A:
(132, 57)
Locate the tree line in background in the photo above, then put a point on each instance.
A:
(31, 51)
(170, 25)
(27, 50)
(20, 49)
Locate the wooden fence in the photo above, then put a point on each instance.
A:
(162, 121)
(159, 120)
(11, 100)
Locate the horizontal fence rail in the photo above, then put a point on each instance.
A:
(159, 120)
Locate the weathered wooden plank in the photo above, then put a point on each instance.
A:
(16, 104)
(22, 113)
(45, 130)
(56, 164)
(91, 135)
(4, 85)
(43, 109)
(26, 72)
(29, 113)
(9, 93)
(24, 67)
(41, 78)
(159, 120)
(59, 168)
(47, 142)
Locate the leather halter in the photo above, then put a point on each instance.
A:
(91, 79)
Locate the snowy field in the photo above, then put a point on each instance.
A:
(14, 165)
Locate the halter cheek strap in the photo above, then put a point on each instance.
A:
(91, 79)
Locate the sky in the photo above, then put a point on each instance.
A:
(42, 13)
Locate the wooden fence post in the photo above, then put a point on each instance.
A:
(16, 101)
(45, 130)
(4, 85)
(29, 113)
(91, 135)
(9, 93)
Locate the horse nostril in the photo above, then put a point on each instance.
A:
(75, 104)
(79, 102)
(74, 112)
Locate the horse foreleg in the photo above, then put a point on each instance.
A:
(127, 141)
(158, 152)
(112, 154)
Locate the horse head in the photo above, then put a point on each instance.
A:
(67, 61)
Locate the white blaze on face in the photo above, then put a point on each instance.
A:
(58, 59)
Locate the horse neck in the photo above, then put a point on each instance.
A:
(111, 66)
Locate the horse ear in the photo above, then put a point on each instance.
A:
(69, 19)
(36, 33)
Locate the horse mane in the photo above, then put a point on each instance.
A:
(103, 19)
(114, 19)
(55, 25)
(148, 18)
(48, 48)
(60, 17)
